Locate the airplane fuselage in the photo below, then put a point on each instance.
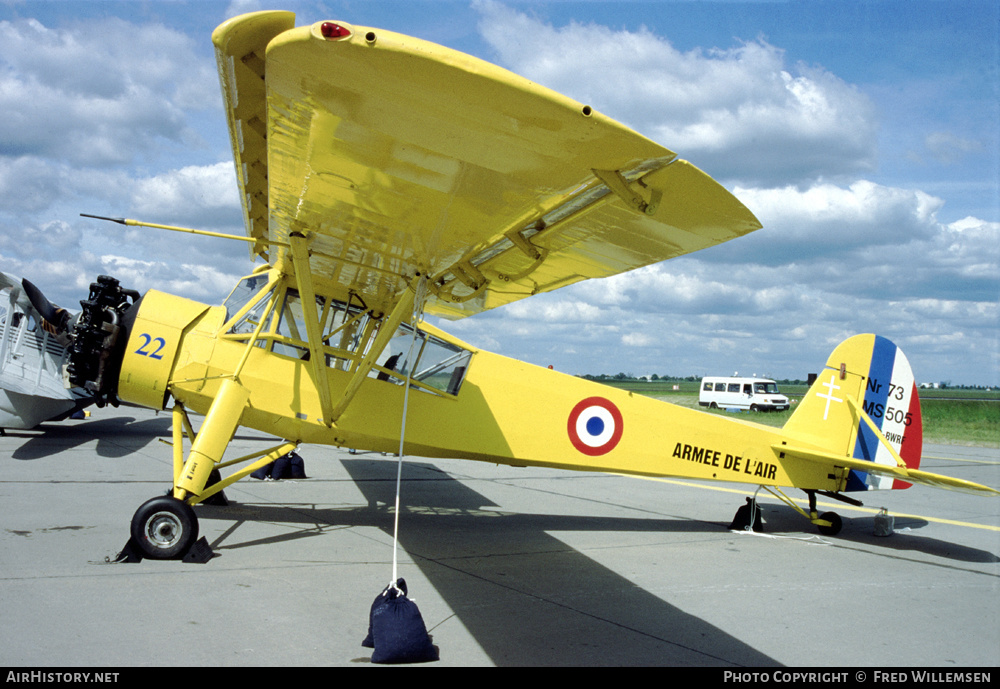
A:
(505, 411)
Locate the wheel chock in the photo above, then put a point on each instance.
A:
(130, 553)
(200, 552)
(219, 499)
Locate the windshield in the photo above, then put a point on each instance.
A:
(769, 388)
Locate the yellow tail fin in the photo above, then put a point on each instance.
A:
(865, 406)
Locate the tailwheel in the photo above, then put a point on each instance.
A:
(164, 528)
(835, 524)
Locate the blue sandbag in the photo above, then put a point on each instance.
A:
(396, 629)
(288, 465)
(369, 641)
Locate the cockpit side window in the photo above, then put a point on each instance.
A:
(432, 364)
(291, 338)
(428, 360)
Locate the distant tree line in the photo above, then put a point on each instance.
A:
(621, 377)
(629, 377)
(948, 385)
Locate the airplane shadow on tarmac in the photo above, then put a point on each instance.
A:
(116, 436)
(525, 596)
(861, 531)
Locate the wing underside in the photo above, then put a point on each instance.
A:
(399, 157)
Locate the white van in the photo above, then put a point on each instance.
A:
(755, 394)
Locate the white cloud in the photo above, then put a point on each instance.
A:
(830, 262)
(93, 111)
(31, 185)
(562, 311)
(823, 218)
(196, 281)
(739, 113)
(28, 184)
(637, 339)
(100, 93)
(205, 195)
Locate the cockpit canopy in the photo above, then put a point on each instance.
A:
(270, 310)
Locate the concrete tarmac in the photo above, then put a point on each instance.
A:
(509, 567)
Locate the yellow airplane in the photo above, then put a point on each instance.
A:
(384, 178)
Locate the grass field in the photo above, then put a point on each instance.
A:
(963, 417)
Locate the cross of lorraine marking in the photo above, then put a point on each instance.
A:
(831, 386)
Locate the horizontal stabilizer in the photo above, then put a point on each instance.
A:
(899, 472)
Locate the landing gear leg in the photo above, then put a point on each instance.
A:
(166, 527)
(828, 523)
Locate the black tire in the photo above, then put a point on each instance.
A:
(164, 528)
(835, 524)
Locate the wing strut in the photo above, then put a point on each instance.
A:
(863, 415)
(317, 359)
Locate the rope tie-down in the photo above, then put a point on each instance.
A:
(396, 631)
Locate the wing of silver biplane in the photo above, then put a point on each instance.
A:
(399, 157)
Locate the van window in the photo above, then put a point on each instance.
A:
(708, 387)
(747, 390)
(734, 387)
(720, 387)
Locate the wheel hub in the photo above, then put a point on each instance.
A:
(164, 530)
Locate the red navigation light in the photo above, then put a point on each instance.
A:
(333, 31)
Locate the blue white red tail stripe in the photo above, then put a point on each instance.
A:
(892, 403)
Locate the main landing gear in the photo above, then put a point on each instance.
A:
(828, 523)
(164, 528)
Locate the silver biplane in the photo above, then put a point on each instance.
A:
(35, 341)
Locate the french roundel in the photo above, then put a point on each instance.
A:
(595, 426)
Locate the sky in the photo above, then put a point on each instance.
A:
(864, 135)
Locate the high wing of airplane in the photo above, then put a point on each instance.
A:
(34, 340)
(384, 178)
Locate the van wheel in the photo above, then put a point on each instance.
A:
(713, 405)
(753, 407)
